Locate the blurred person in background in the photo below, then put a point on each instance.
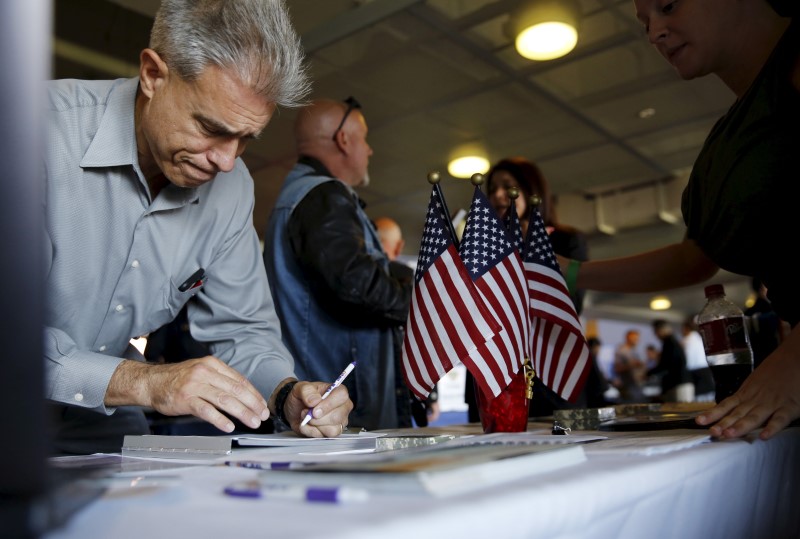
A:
(676, 382)
(630, 371)
(696, 362)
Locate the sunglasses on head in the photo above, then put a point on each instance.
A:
(351, 104)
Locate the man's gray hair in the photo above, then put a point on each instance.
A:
(255, 38)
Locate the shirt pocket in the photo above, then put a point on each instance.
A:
(174, 298)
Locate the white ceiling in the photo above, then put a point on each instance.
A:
(435, 74)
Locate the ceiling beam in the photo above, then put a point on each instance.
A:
(142, 7)
(91, 58)
(352, 21)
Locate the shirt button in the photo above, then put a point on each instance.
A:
(119, 308)
(103, 348)
(135, 264)
(79, 397)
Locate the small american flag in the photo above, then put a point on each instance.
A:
(490, 255)
(447, 320)
(560, 355)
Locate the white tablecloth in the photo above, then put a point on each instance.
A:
(731, 489)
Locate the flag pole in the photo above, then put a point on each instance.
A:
(434, 178)
(530, 373)
(513, 194)
(533, 202)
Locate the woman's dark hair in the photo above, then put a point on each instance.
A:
(784, 8)
(531, 181)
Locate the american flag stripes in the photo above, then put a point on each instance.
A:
(447, 320)
(490, 255)
(560, 355)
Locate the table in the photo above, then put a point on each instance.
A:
(744, 488)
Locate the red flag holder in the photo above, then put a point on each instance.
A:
(508, 411)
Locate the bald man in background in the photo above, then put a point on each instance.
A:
(391, 237)
(330, 280)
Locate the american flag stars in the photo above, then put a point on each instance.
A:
(482, 245)
(538, 247)
(435, 237)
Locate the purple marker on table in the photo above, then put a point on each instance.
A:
(252, 489)
(255, 465)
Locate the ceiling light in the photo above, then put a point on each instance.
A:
(545, 29)
(660, 303)
(465, 167)
(468, 159)
(647, 112)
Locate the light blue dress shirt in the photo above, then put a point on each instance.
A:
(116, 258)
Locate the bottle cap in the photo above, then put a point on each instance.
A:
(715, 290)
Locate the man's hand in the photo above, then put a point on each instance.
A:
(330, 415)
(203, 387)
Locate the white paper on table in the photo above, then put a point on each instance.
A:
(636, 444)
(525, 438)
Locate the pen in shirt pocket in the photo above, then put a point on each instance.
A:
(194, 281)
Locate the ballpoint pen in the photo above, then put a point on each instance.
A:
(334, 385)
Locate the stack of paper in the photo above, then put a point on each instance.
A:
(359, 441)
(440, 470)
(210, 447)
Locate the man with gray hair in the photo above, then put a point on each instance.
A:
(138, 227)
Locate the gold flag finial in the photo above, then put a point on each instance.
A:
(477, 179)
(535, 200)
(513, 193)
(434, 177)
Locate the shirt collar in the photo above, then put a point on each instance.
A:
(319, 168)
(114, 144)
(315, 164)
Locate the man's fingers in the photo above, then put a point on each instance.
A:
(311, 397)
(243, 392)
(330, 416)
(206, 411)
(241, 388)
(207, 388)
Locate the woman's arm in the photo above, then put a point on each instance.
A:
(673, 266)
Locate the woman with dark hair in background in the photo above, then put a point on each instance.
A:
(528, 178)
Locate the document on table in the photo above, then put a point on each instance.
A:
(440, 470)
(361, 440)
(209, 448)
(526, 438)
(636, 444)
